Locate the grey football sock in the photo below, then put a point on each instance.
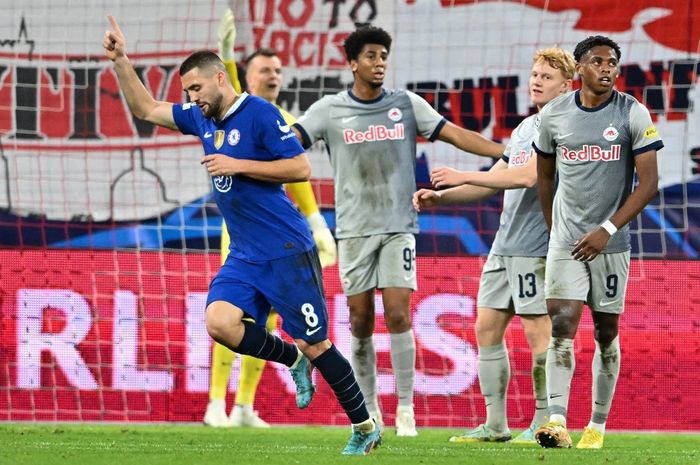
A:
(494, 374)
(561, 363)
(539, 387)
(364, 364)
(606, 369)
(403, 360)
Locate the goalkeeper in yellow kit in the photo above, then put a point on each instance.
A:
(264, 79)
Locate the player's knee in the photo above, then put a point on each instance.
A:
(486, 333)
(361, 325)
(398, 321)
(538, 331)
(605, 335)
(220, 322)
(563, 326)
(605, 327)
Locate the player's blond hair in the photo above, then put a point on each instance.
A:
(557, 58)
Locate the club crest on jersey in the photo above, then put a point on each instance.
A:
(395, 114)
(223, 183)
(219, 138)
(234, 136)
(610, 133)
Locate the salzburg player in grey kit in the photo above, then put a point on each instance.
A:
(596, 139)
(512, 279)
(371, 135)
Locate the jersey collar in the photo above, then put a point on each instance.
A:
(236, 105)
(577, 98)
(359, 100)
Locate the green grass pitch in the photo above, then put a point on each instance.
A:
(95, 444)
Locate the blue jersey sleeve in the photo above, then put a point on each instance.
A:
(188, 117)
(276, 135)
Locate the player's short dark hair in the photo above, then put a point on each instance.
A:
(594, 41)
(365, 35)
(201, 59)
(262, 51)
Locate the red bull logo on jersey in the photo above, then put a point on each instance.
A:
(522, 157)
(591, 153)
(374, 133)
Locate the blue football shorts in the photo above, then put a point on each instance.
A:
(293, 285)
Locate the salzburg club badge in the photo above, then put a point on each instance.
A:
(395, 114)
(610, 133)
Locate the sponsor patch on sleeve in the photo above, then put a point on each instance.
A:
(651, 132)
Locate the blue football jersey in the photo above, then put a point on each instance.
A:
(261, 220)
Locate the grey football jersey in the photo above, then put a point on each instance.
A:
(594, 149)
(372, 147)
(523, 231)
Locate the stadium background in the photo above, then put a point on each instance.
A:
(108, 236)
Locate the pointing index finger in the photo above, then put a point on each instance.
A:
(115, 26)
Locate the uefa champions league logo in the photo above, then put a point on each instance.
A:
(223, 183)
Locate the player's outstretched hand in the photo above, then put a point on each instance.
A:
(114, 42)
(446, 177)
(425, 198)
(220, 165)
(227, 35)
(590, 245)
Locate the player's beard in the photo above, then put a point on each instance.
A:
(214, 106)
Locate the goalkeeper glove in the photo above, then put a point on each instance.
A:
(325, 242)
(227, 35)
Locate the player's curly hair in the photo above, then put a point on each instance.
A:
(594, 41)
(365, 35)
(202, 59)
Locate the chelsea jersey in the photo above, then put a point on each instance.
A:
(261, 220)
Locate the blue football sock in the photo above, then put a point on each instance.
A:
(337, 372)
(259, 343)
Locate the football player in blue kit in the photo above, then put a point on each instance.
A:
(273, 262)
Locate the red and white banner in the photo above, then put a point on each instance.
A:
(87, 335)
(72, 149)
